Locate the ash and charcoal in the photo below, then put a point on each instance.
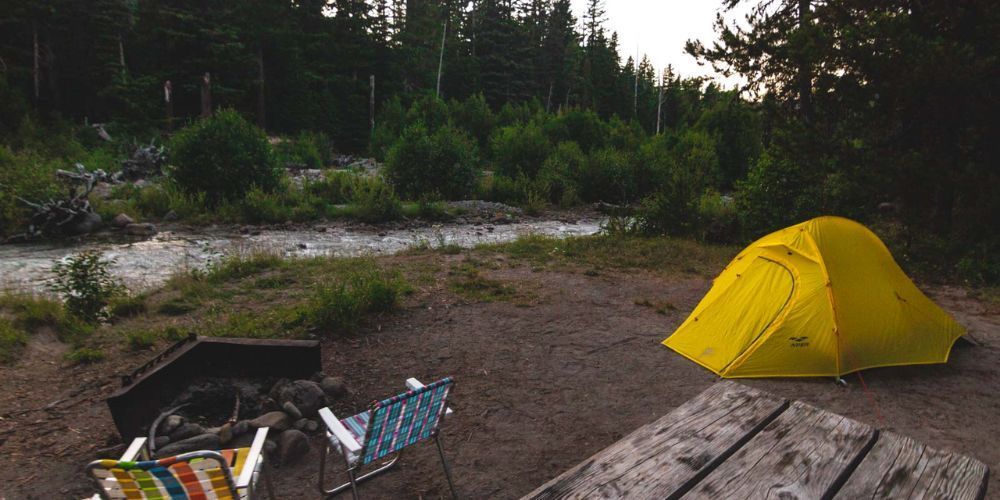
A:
(217, 413)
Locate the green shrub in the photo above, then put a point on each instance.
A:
(376, 201)
(302, 150)
(560, 171)
(607, 175)
(474, 116)
(716, 218)
(443, 162)
(85, 356)
(388, 126)
(519, 150)
(26, 175)
(336, 187)
(430, 207)
(223, 156)
(583, 127)
(12, 341)
(86, 285)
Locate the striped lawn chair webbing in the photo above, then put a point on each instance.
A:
(197, 476)
(405, 419)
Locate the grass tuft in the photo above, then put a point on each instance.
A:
(12, 341)
(85, 356)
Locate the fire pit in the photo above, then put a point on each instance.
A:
(207, 374)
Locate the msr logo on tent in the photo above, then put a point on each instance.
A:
(799, 341)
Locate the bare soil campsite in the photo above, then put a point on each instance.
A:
(554, 346)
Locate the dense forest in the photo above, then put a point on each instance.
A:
(884, 111)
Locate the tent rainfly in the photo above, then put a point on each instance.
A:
(820, 298)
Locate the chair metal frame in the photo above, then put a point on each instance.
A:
(352, 452)
(243, 487)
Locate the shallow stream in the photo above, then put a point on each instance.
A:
(147, 263)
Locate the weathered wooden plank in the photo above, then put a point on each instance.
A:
(665, 458)
(805, 453)
(899, 467)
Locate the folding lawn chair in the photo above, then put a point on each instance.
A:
(384, 429)
(208, 475)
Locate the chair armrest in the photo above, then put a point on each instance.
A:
(339, 431)
(414, 384)
(133, 451)
(250, 466)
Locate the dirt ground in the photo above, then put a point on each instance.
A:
(540, 386)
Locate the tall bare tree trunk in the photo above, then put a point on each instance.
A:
(444, 33)
(36, 64)
(261, 106)
(548, 102)
(121, 53)
(805, 69)
(371, 104)
(168, 102)
(206, 95)
(659, 107)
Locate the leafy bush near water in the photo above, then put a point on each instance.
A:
(224, 157)
(86, 285)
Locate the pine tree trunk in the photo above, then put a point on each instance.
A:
(168, 102)
(261, 104)
(371, 104)
(206, 95)
(444, 33)
(805, 70)
(36, 64)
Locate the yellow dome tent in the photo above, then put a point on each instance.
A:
(820, 298)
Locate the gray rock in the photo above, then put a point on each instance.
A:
(226, 433)
(241, 427)
(292, 445)
(142, 229)
(270, 447)
(194, 443)
(170, 424)
(291, 410)
(277, 421)
(171, 216)
(161, 441)
(121, 220)
(278, 387)
(185, 431)
(307, 426)
(87, 223)
(334, 387)
(306, 395)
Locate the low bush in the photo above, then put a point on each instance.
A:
(86, 285)
(442, 162)
(306, 149)
(376, 201)
(223, 157)
(519, 150)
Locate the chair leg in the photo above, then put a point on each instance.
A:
(447, 470)
(323, 451)
(354, 483)
(266, 472)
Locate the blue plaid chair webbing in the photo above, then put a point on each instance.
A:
(402, 420)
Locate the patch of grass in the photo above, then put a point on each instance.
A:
(177, 307)
(468, 283)
(662, 254)
(127, 306)
(85, 356)
(365, 289)
(272, 282)
(12, 341)
(660, 307)
(32, 312)
(141, 340)
(244, 263)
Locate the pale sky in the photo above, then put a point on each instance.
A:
(659, 28)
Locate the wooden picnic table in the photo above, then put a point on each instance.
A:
(733, 441)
